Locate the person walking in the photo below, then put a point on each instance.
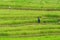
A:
(39, 20)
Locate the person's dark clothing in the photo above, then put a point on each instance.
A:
(38, 20)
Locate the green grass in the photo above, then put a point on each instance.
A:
(30, 30)
(33, 38)
(23, 25)
(24, 22)
(30, 3)
(15, 33)
(27, 16)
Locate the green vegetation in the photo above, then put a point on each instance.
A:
(28, 16)
(30, 3)
(18, 20)
(23, 23)
(34, 38)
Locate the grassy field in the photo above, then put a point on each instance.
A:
(19, 20)
(30, 3)
(23, 25)
(28, 16)
(34, 38)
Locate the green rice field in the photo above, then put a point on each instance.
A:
(19, 20)
(30, 3)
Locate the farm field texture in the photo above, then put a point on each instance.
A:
(17, 23)
(8, 16)
(30, 3)
(22, 24)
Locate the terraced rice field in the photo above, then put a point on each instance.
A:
(30, 3)
(23, 23)
(19, 19)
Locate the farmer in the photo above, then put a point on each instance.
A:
(38, 19)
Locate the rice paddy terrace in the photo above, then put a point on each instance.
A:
(18, 20)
